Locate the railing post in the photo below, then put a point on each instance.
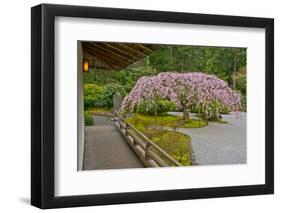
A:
(144, 145)
(126, 129)
(116, 117)
(147, 148)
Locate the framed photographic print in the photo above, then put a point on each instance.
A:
(139, 106)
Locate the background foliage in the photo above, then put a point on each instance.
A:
(93, 95)
(228, 64)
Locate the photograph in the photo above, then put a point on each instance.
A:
(162, 105)
(141, 105)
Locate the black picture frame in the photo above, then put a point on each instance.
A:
(43, 102)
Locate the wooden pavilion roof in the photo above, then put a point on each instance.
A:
(115, 56)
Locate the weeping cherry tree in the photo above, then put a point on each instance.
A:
(185, 90)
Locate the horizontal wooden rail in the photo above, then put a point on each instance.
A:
(149, 153)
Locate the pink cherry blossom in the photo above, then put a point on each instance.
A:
(184, 89)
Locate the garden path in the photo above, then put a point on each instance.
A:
(219, 143)
(106, 149)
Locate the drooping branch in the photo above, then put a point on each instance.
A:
(184, 89)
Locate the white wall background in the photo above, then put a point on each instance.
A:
(15, 105)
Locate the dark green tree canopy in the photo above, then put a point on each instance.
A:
(226, 63)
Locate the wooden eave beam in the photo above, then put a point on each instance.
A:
(104, 56)
(106, 61)
(124, 56)
(146, 48)
(119, 50)
(126, 46)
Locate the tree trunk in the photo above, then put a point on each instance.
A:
(155, 111)
(199, 116)
(234, 73)
(185, 114)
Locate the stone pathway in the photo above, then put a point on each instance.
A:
(219, 143)
(105, 147)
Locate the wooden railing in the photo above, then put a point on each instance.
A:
(149, 153)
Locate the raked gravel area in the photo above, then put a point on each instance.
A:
(219, 143)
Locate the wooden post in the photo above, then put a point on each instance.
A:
(147, 148)
(199, 116)
(155, 110)
(126, 129)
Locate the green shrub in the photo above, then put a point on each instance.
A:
(109, 91)
(165, 106)
(146, 107)
(211, 111)
(162, 107)
(193, 108)
(93, 95)
(214, 109)
(223, 109)
(88, 119)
